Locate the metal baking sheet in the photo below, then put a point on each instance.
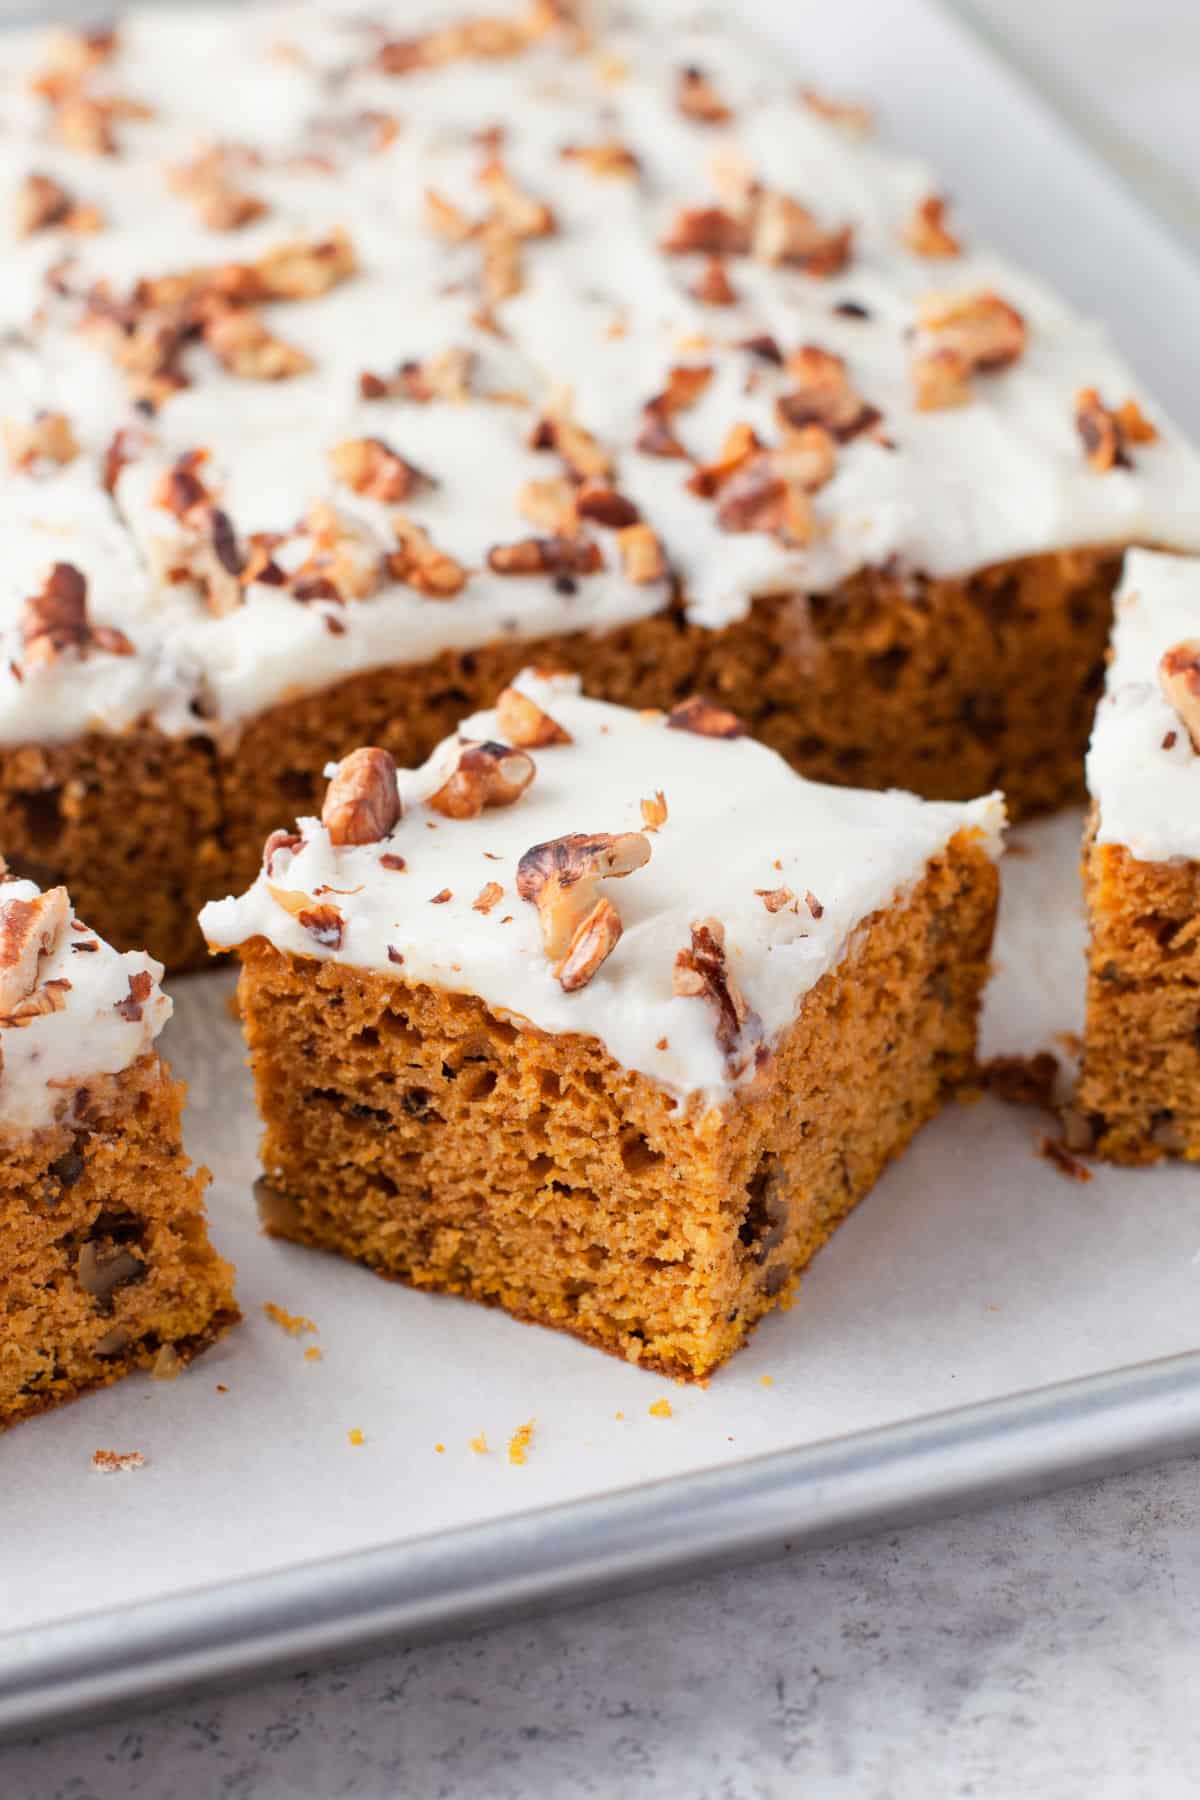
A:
(981, 1326)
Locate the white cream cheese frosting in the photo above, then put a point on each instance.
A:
(1142, 770)
(740, 829)
(104, 1009)
(317, 132)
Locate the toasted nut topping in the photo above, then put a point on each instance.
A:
(823, 396)
(29, 930)
(207, 184)
(703, 972)
(421, 565)
(46, 439)
(849, 116)
(279, 840)
(487, 775)
(584, 457)
(141, 986)
(487, 897)
(786, 233)
(925, 232)
(550, 505)
(447, 375)
(608, 160)
(345, 561)
(1107, 433)
(41, 203)
(520, 212)
(685, 384)
(770, 491)
(362, 801)
(54, 620)
(445, 220)
(546, 556)
(705, 718)
(370, 466)
(697, 98)
(741, 445)
(654, 812)
(325, 923)
(963, 334)
(657, 439)
(306, 267)
(709, 229)
(1179, 678)
(561, 878)
(776, 899)
(239, 339)
(642, 555)
(524, 723)
(712, 287)
(594, 940)
(604, 506)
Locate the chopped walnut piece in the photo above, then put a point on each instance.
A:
(770, 491)
(696, 98)
(963, 334)
(522, 214)
(305, 267)
(209, 553)
(525, 724)
(925, 232)
(29, 931)
(822, 395)
(685, 384)
(502, 273)
(54, 620)
(546, 556)
(609, 160)
(712, 287)
(279, 840)
(1179, 678)
(51, 997)
(709, 229)
(654, 812)
(141, 986)
(69, 57)
(550, 505)
(657, 439)
(447, 375)
(362, 801)
(207, 184)
(776, 899)
(48, 438)
(445, 220)
(562, 879)
(642, 556)
(705, 719)
(486, 898)
(584, 457)
(850, 116)
(370, 466)
(741, 445)
(1107, 432)
(419, 564)
(238, 338)
(787, 233)
(345, 562)
(487, 775)
(703, 972)
(324, 923)
(604, 506)
(41, 203)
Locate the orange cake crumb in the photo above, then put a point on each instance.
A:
(519, 1442)
(295, 1324)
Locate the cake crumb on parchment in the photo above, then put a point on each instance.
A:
(519, 1442)
(295, 1324)
(117, 1462)
(355, 1437)
(661, 1409)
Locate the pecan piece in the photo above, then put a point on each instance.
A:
(525, 724)
(54, 620)
(362, 801)
(703, 972)
(324, 923)
(29, 930)
(447, 375)
(48, 438)
(741, 445)
(925, 231)
(823, 396)
(419, 564)
(787, 234)
(486, 775)
(709, 229)
(642, 556)
(546, 556)
(562, 878)
(1107, 432)
(705, 718)
(305, 268)
(964, 334)
(370, 466)
(141, 986)
(696, 98)
(240, 341)
(605, 506)
(584, 457)
(1179, 678)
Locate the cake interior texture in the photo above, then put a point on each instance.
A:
(948, 688)
(105, 1264)
(1139, 1086)
(442, 1145)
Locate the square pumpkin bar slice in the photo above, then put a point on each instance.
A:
(1138, 1098)
(604, 1017)
(105, 1263)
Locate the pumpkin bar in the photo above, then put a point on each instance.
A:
(349, 364)
(1138, 1097)
(105, 1265)
(604, 1017)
